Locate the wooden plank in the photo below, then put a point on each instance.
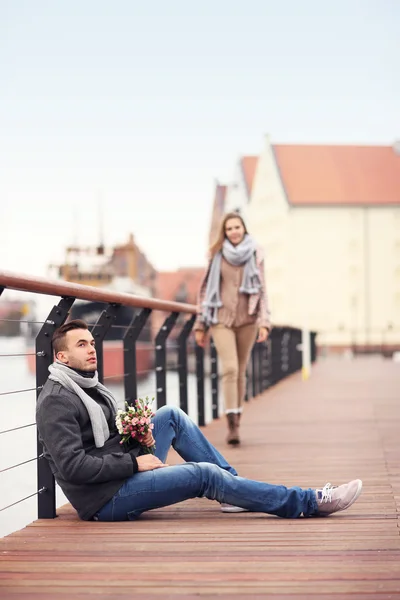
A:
(342, 423)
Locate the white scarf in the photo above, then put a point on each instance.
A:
(74, 382)
(243, 253)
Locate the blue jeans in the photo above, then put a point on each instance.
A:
(206, 473)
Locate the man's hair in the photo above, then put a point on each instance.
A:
(60, 333)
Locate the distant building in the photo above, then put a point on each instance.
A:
(218, 211)
(238, 193)
(11, 314)
(128, 260)
(328, 219)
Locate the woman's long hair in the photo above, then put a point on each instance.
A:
(216, 246)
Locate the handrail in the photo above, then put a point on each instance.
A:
(39, 285)
(270, 361)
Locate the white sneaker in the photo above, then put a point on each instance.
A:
(229, 508)
(333, 499)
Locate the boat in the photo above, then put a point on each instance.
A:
(123, 269)
(12, 312)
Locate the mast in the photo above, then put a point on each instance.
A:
(101, 246)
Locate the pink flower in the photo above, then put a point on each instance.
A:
(142, 421)
(133, 434)
(135, 421)
(151, 426)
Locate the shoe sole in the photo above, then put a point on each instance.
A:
(234, 509)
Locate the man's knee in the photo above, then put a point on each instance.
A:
(169, 411)
(209, 468)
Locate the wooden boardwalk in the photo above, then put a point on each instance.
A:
(341, 424)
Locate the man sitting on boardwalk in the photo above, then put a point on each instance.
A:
(104, 481)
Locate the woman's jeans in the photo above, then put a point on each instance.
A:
(205, 474)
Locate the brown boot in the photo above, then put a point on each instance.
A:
(238, 424)
(233, 429)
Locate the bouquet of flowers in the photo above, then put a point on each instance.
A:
(134, 423)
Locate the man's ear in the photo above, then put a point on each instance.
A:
(62, 357)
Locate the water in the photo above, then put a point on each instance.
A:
(19, 446)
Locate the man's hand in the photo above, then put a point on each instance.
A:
(149, 462)
(148, 440)
(200, 338)
(262, 334)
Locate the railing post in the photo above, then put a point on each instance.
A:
(44, 358)
(200, 385)
(259, 349)
(313, 346)
(279, 357)
(274, 341)
(268, 363)
(260, 367)
(214, 380)
(182, 363)
(130, 339)
(99, 332)
(285, 356)
(255, 367)
(296, 352)
(292, 342)
(253, 373)
(306, 354)
(161, 358)
(265, 365)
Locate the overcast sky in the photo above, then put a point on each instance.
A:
(139, 106)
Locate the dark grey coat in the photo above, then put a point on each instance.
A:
(88, 476)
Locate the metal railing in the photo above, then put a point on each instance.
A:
(270, 362)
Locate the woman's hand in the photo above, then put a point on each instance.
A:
(200, 338)
(262, 335)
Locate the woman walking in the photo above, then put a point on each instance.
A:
(233, 305)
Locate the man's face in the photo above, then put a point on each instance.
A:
(80, 352)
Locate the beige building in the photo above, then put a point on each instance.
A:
(328, 218)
